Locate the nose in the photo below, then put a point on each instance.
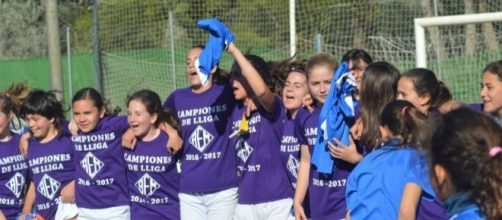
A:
(323, 88)
(482, 92)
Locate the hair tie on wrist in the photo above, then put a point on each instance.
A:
(495, 150)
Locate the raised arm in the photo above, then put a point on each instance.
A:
(257, 84)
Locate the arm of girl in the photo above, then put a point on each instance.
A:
(409, 201)
(29, 200)
(129, 140)
(68, 193)
(302, 183)
(2, 216)
(23, 143)
(175, 141)
(260, 89)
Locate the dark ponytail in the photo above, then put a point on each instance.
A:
(404, 121)
(463, 142)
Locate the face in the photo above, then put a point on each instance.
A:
(358, 71)
(86, 115)
(294, 90)
(239, 91)
(40, 126)
(406, 91)
(319, 82)
(4, 122)
(190, 62)
(140, 120)
(491, 93)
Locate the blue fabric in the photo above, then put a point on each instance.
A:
(219, 39)
(336, 117)
(375, 187)
(461, 206)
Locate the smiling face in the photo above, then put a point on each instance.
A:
(41, 127)
(294, 90)
(140, 120)
(406, 91)
(319, 82)
(491, 93)
(86, 114)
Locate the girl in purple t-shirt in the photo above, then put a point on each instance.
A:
(328, 191)
(151, 168)
(50, 158)
(257, 125)
(203, 113)
(13, 167)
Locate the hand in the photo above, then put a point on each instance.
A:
(23, 144)
(343, 152)
(299, 212)
(68, 193)
(129, 140)
(448, 106)
(308, 102)
(174, 143)
(73, 128)
(22, 216)
(357, 129)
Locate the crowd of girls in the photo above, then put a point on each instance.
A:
(240, 145)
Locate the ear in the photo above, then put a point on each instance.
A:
(385, 132)
(102, 112)
(424, 99)
(155, 116)
(52, 120)
(440, 174)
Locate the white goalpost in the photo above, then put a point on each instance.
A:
(421, 23)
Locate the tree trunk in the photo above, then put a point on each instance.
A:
(470, 30)
(487, 28)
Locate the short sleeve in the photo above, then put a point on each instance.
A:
(418, 172)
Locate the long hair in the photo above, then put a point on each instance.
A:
(460, 141)
(378, 88)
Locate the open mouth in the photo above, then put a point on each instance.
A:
(193, 74)
(134, 126)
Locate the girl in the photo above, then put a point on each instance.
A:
(203, 113)
(466, 164)
(421, 87)
(100, 171)
(387, 183)
(257, 141)
(491, 90)
(152, 175)
(18, 93)
(50, 158)
(327, 190)
(13, 167)
(358, 60)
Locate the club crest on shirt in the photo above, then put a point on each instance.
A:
(243, 149)
(48, 186)
(91, 164)
(15, 184)
(200, 138)
(293, 165)
(147, 185)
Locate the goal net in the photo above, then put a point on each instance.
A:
(142, 46)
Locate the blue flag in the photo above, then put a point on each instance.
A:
(219, 39)
(335, 118)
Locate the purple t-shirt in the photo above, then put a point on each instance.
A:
(100, 169)
(153, 180)
(263, 176)
(290, 149)
(328, 191)
(13, 173)
(207, 163)
(51, 167)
